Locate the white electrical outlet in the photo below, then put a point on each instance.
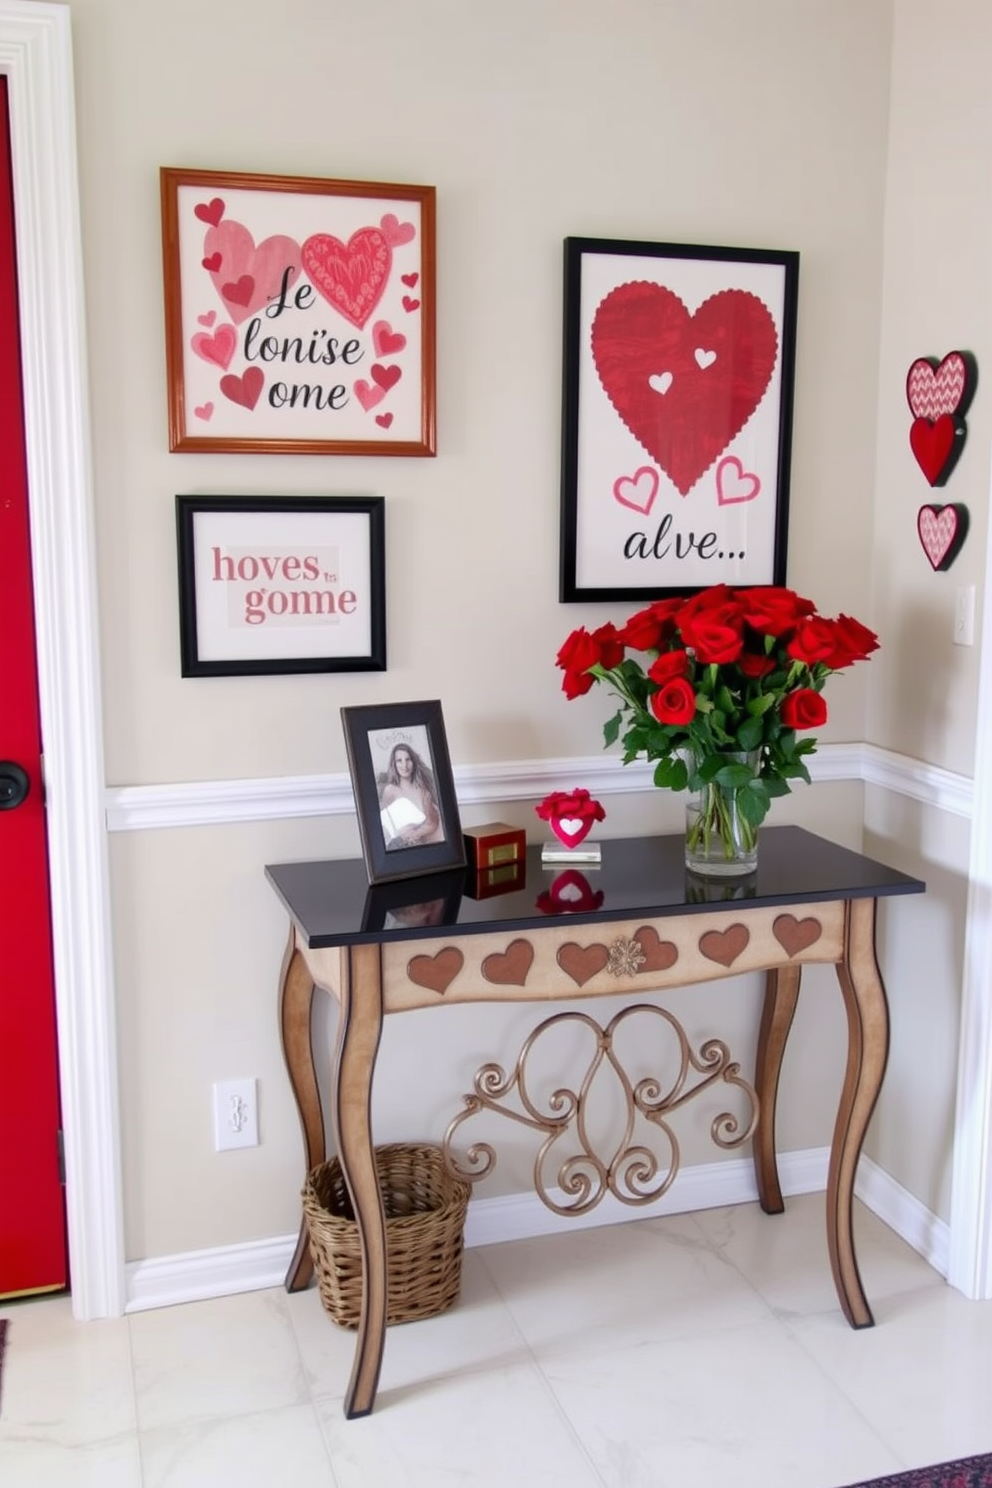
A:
(235, 1114)
(964, 615)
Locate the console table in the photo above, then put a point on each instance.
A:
(636, 923)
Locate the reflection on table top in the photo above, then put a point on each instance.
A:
(333, 904)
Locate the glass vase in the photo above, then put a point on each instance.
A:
(719, 842)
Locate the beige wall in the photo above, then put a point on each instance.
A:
(763, 124)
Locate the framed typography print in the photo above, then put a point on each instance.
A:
(281, 584)
(677, 417)
(299, 314)
(404, 790)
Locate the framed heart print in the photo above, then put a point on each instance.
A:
(299, 314)
(676, 417)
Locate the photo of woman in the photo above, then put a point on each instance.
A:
(408, 805)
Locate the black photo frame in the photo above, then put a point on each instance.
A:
(278, 584)
(422, 905)
(407, 809)
(677, 395)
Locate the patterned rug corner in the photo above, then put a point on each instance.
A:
(966, 1472)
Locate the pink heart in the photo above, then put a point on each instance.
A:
(410, 304)
(385, 340)
(384, 420)
(367, 395)
(204, 411)
(351, 276)
(410, 280)
(244, 390)
(942, 530)
(208, 319)
(252, 276)
(218, 348)
(571, 830)
(932, 391)
(396, 232)
(638, 490)
(734, 483)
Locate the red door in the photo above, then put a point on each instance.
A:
(32, 1212)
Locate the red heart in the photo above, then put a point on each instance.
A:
(351, 276)
(384, 419)
(240, 292)
(386, 377)
(410, 305)
(210, 212)
(942, 530)
(410, 280)
(211, 264)
(570, 829)
(934, 389)
(685, 385)
(244, 390)
(936, 446)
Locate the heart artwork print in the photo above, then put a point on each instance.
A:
(685, 383)
(289, 323)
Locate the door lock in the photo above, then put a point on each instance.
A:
(14, 785)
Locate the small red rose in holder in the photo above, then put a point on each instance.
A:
(570, 815)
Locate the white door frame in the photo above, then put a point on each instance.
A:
(36, 56)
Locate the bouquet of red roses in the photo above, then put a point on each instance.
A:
(729, 672)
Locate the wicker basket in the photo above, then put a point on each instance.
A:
(425, 1219)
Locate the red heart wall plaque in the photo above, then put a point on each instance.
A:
(942, 531)
(937, 446)
(684, 384)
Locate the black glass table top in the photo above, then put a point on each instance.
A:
(333, 904)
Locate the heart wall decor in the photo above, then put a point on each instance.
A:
(939, 394)
(678, 374)
(942, 531)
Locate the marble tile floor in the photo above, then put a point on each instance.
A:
(699, 1351)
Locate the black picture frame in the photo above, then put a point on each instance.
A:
(677, 400)
(281, 584)
(376, 736)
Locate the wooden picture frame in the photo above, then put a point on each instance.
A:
(277, 584)
(404, 789)
(299, 314)
(676, 417)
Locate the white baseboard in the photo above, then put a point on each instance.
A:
(199, 1274)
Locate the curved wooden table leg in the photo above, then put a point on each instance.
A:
(867, 1053)
(781, 998)
(359, 1031)
(296, 1000)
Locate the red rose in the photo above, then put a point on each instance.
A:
(755, 663)
(668, 665)
(773, 611)
(852, 642)
(714, 635)
(610, 645)
(803, 709)
(569, 805)
(675, 702)
(582, 651)
(642, 632)
(813, 640)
